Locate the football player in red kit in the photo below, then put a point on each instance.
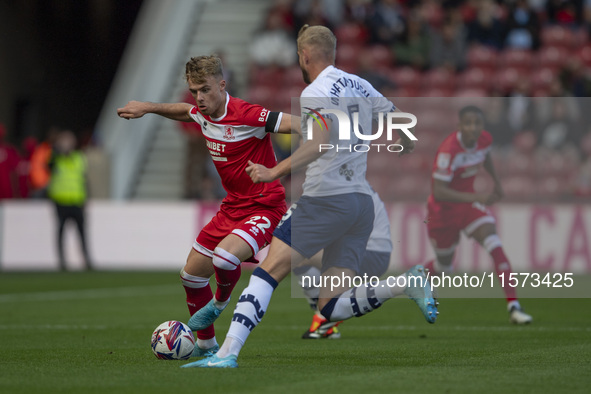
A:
(454, 206)
(236, 132)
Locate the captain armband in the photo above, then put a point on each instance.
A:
(273, 122)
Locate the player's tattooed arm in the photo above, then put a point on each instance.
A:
(174, 111)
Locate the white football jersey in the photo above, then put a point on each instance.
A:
(340, 170)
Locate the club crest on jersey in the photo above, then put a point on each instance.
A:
(228, 133)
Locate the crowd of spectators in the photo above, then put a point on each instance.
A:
(532, 56)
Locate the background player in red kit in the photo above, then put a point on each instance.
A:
(236, 132)
(453, 205)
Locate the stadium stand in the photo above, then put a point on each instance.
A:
(556, 61)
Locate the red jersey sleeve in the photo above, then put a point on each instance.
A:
(257, 115)
(442, 168)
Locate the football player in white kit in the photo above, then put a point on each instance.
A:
(335, 213)
(374, 264)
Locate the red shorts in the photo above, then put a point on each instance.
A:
(446, 220)
(255, 226)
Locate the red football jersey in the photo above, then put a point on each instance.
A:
(235, 138)
(459, 165)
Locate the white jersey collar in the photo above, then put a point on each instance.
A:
(225, 110)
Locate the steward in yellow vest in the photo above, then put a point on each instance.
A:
(67, 189)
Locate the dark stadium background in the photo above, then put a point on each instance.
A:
(58, 58)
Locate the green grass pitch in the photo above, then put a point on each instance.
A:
(90, 333)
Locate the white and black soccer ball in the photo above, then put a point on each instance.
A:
(173, 340)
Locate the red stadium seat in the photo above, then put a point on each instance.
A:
(262, 95)
(347, 58)
(284, 99)
(437, 92)
(380, 57)
(471, 92)
(481, 56)
(541, 78)
(556, 163)
(519, 187)
(540, 92)
(265, 76)
(516, 58)
(407, 187)
(475, 78)
(406, 92)
(552, 57)
(406, 77)
(584, 54)
(557, 35)
(581, 37)
(379, 162)
(351, 34)
(551, 187)
(506, 79)
(435, 122)
(293, 77)
(525, 142)
(439, 78)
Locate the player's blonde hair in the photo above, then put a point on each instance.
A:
(199, 68)
(320, 40)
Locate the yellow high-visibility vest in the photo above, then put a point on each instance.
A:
(67, 185)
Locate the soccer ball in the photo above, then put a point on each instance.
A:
(173, 340)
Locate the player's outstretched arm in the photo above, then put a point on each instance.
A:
(442, 192)
(289, 124)
(304, 155)
(174, 111)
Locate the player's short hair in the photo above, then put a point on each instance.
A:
(470, 109)
(320, 39)
(199, 68)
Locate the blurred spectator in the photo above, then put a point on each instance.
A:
(357, 11)
(68, 190)
(544, 106)
(582, 179)
(497, 123)
(564, 12)
(368, 72)
(386, 22)
(560, 130)
(520, 107)
(448, 46)
(586, 15)
(523, 27)
(283, 8)
(273, 46)
(9, 159)
(330, 13)
(576, 78)
(486, 28)
(24, 166)
(413, 47)
(39, 170)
